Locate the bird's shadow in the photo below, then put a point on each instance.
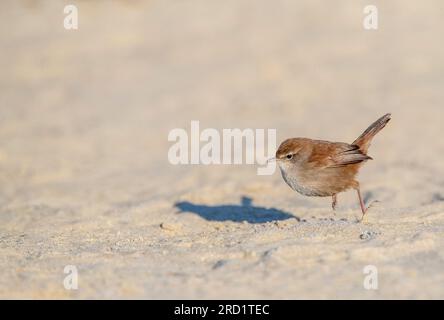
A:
(245, 211)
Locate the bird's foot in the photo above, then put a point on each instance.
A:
(368, 207)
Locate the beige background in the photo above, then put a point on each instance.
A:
(84, 176)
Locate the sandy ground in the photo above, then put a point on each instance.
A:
(84, 175)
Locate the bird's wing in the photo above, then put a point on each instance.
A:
(333, 155)
(348, 154)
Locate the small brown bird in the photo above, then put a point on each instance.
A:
(320, 168)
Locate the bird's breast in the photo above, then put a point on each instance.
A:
(296, 182)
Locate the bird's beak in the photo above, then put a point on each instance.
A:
(271, 160)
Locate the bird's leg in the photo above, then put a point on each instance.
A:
(333, 202)
(361, 203)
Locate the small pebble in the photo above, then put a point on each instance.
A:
(170, 226)
(219, 264)
(367, 235)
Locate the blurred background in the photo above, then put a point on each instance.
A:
(85, 115)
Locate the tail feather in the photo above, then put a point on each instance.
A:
(364, 140)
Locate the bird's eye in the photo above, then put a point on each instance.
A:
(289, 156)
